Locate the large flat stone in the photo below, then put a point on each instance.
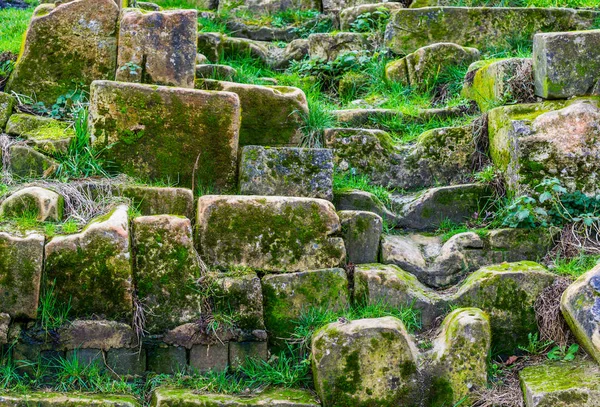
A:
(68, 44)
(268, 233)
(48, 399)
(163, 133)
(272, 398)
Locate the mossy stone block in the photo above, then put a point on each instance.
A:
(288, 296)
(361, 231)
(214, 357)
(239, 296)
(44, 204)
(27, 163)
(91, 270)
(240, 352)
(147, 55)
(273, 234)
(166, 271)
(166, 359)
(66, 45)
(127, 362)
(21, 265)
(7, 104)
(49, 399)
(368, 362)
(43, 133)
(165, 133)
(160, 200)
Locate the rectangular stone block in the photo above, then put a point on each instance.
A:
(210, 357)
(268, 233)
(160, 200)
(284, 171)
(170, 134)
(7, 103)
(166, 359)
(127, 362)
(479, 27)
(86, 357)
(240, 352)
(272, 397)
(566, 64)
(240, 297)
(158, 47)
(21, 264)
(362, 232)
(49, 399)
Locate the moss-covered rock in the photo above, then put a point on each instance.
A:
(210, 45)
(42, 203)
(48, 399)
(531, 142)
(38, 128)
(147, 55)
(165, 133)
(25, 162)
(580, 305)
(361, 231)
(479, 27)
(268, 233)
(351, 13)
(240, 352)
(355, 200)
(214, 71)
(422, 67)
(566, 64)
(458, 361)
(165, 397)
(329, 46)
(166, 271)
(285, 171)
(7, 103)
(353, 85)
(288, 296)
(21, 264)
(564, 384)
(66, 46)
(91, 270)
(271, 115)
(160, 200)
(96, 334)
(4, 327)
(368, 362)
(499, 82)
(507, 293)
(167, 360)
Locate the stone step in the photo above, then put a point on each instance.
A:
(67, 400)
(165, 397)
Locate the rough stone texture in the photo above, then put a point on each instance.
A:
(166, 271)
(427, 209)
(361, 232)
(213, 357)
(127, 362)
(147, 55)
(507, 293)
(165, 397)
(327, 47)
(479, 27)
(285, 171)
(4, 327)
(21, 264)
(499, 82)
(349, 15)
(288, 296)
(46, 399)
(44, 204)
(162, 133)
(552, 384)
(335, 6)
(356, 200)
(365, 117)
(580, 305)
(459, 357)
(91, 270)
(369, 362)
(296, 50)
(441, 155)
(160, 200)
(25, 162)
(75, 42)
(423, 66)
(7, 103)
(212, 71)
(38, 128)
(271, 115)
(531, 142)
(96, 334)
(441, 264)
(166, 359)
(209, 45)
(240, 352)
(268, 233)
(389, 284)
(269, 6)
(566, 64)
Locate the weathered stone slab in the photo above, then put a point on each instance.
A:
(96, 334)
(268, 233)
(566, 64)
(160, 200)
(499, 82)
(240, 352)
(25, 162)
(166, 271)
(166, 359)
(363, 201)
(213, 71)
(7, 103)
(531, 142)
(459, 357)
(551, 384)
(213, 357)
(147, 55)
(288, 296)
(271, 115)
(580, 305)
(365, 362)
(239, 296)
(127, 361)
(44, 204)
(327, 47)
(46, 399)
(91, 270)
(361, 231)
(273, 398)
(286, 171)
(164, 133)
(75, 42)
(350, 14)
(45, 134)
(21, 264)
(479, 27)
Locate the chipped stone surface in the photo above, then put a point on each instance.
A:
(361, 231)
(44, 204)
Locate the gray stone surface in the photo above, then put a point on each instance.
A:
(166, 359)
(210, 357)
(361, 231)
